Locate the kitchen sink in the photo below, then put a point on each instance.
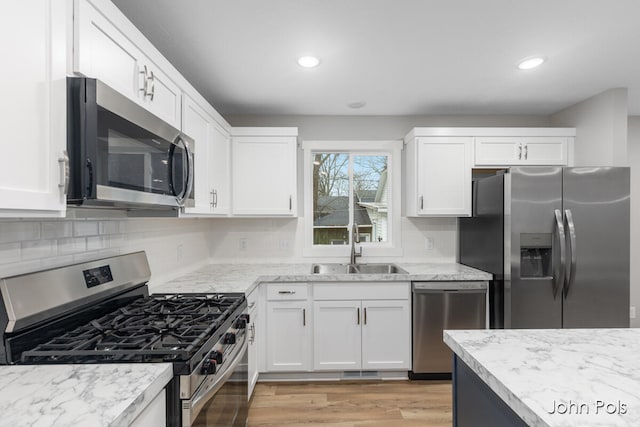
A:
(381, 268)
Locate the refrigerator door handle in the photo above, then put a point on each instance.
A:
(571, 228)
(560, 268)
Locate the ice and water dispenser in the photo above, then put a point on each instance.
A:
(536, 255)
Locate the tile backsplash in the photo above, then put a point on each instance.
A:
(173, 245)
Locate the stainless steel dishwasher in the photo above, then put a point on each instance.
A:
(438, 306)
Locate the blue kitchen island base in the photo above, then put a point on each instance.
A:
(475, 404)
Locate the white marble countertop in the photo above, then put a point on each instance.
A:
(560, 377)
(215, 278)
(78, 395)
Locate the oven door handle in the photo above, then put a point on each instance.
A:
(191, 408)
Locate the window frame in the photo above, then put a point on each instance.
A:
(392, 149)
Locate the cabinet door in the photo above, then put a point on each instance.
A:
(386, 335)
(219, 169)
(336, 335)
(196, 124)
(444, 176)
(252, 350)
(287, 341)
(493, 151)
(264, 176)
(544, 151)
(103, 52)
(32, 108)
(505, 151)
(162, 96)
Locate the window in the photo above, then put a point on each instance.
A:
(347, 185)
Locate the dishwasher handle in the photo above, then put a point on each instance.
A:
(440, 287)
(449, 291)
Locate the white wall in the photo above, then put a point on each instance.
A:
(601, 128)
(29, 245)
(277, 240)
(634, 162)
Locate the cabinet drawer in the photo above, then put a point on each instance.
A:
(362, 290)
(287, 291)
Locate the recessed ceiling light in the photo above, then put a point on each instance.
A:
(531, 62)
(358, 104)
(308, 61)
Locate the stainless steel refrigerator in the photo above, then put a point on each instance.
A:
(557, 241)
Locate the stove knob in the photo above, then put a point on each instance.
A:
(215, 356)
(245, 317)
(208, 367)
(229, 338)
(240, 324)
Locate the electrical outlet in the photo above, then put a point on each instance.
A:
(242, 243)
(428, 243)
(179, 252)
(632, 312)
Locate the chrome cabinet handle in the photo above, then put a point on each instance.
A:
(571, 228)
(252, 328)
(286, 292)
(526, 151)
(519, 151)
(421, 202)
(211, 203)
(63, 162)
(145, 82)
(365, 315)
(152, 91)
(304, 317)
(290, 203)
(358, 315)
(559, 278)
(215, 198)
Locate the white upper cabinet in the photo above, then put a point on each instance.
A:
(438, 176)
(106, 48)
(264, 173)
(541, 150)
(33, 108)
(211, 153)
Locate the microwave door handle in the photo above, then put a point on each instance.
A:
(571, 277)
(190, 163)
(560, 267)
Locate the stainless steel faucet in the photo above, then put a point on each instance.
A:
(355, 238)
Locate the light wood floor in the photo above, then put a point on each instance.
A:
(353, 403)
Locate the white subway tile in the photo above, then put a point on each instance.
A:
(85, 228)
(59, 261)
(109, 227)
(16, 268)
(38, 249)
(96, 243)
(57, 229)
(116, 241)
(71, 246)
(9, 252)
(90, 256)
(19, 231)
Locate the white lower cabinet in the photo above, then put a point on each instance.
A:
(361, 334)
(252, 348)
(288, 336)
(154, 415)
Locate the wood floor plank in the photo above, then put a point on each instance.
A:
(351, 404)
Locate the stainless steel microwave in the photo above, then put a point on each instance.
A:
(121, 155)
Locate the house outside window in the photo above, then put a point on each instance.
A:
(352, 184)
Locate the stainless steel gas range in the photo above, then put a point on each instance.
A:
(101, 312)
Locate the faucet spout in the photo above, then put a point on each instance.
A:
(355, 238)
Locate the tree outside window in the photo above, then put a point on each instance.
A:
(349, 188)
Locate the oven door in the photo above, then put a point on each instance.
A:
(221, 401)
(123, 155)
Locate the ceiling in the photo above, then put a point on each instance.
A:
(400, 57)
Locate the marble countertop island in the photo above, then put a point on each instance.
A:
(215, 278)
(79, 395)
(561, 377)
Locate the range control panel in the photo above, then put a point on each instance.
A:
(97, 276)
